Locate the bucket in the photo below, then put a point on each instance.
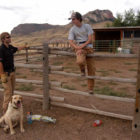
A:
(126, 51)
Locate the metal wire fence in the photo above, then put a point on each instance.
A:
(127, 46)
(116, 46)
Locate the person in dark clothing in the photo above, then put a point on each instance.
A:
(7, 68)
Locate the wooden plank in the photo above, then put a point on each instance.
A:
(123, 99)
(35, 95)
(52, 83)
(34, 66)
(29, 57)
(113, 79)
(37, 66)
(136, 120)
(65, 53)
(99, 112)
(30, 53)
(46, 102)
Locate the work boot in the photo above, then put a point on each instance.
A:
(83, 73)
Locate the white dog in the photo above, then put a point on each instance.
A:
(13, 115)
(119, 49)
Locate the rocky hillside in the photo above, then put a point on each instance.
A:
(98, 16)
(25, 29)
(39, 33)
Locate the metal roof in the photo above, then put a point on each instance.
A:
(117, 28)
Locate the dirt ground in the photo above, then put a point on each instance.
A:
(72, 124)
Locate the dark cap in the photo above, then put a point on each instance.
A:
(76, 15)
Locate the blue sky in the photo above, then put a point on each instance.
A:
(15, 12)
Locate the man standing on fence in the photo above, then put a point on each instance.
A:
(80, 38)
(7, 69)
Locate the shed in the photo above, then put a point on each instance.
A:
(113, 37)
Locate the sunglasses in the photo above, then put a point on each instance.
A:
(8, 37)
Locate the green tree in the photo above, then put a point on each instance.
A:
(118, 21)
(138, 19)
(129, 18)
(108, 25)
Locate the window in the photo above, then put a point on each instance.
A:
(127, 34)
(137, 34)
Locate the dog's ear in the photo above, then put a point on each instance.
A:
(11, 99)
(21, 98)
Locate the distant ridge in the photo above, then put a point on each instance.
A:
(39, 33)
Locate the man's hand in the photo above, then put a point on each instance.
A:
(82, 46)
(26, 46)
(77, 48)
(4, 78)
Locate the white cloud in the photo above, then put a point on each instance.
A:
(54, 11)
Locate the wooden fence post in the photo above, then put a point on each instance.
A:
(45, 77)
(136, 120)
(114, 46)
(26, 49)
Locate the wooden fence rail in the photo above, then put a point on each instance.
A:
(37, 66)
(130, 100)
(113, 79)
(36, 95)
(65, 53)
(52, 83)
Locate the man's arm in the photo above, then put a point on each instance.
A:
(74, 45)
(3, 76)
(83, 45)
(23, 47)
(1, 68)
(1, 60)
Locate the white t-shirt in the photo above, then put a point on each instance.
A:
(80, 34)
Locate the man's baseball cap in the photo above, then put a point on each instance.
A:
(76, 15)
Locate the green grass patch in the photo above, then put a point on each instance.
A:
(84, 85)
(109, 91)
(53, 80)
(128, 63)
(69, 87)
(116, 71)
(132, 69)
(70, 63)
(103, 72)
(25, 87)
(31, 70)
(57, 63)
(112, 83)
(39, 59)
(72, 69)
(17, 73)
(24, 76)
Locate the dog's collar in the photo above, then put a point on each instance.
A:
(15, 107)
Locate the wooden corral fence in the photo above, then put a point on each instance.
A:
(135, 119)
(59, 101)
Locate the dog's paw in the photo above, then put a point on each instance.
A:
(13, 132)
(6, 130)
(22, 130)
